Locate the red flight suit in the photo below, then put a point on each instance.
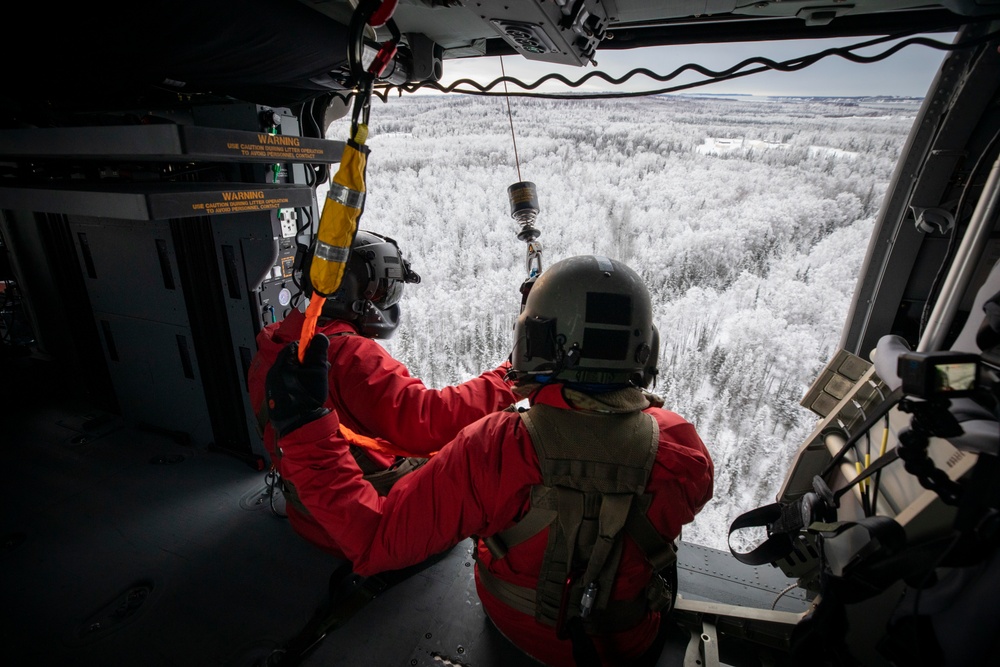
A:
(375, 396)
(478, 485)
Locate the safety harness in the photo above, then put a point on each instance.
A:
(594, 472)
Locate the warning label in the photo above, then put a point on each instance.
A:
(182, 203)
(240, 202)
(292, 151)
(242, 146)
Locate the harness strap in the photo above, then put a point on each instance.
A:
(384, 480)
(520, 598)
(659, 551)
(538, 518)
(555, 575)
(774, 548)
(360, 445)
(603, 562)
(292, 496)
(778, 545)
(620, 615)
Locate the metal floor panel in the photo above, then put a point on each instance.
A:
(713, 575)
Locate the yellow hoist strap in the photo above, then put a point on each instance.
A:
(338, 225)
(339, 221)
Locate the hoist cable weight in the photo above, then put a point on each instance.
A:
(523, 198)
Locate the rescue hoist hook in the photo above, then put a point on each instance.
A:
(523, 198)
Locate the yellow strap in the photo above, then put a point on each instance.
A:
(338, 225)
(339, 222)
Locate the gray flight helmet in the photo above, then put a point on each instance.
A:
(371, 287)
(587, 320)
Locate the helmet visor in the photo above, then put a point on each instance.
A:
(388, 292)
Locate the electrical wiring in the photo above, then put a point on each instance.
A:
(881, 453)
(315, 173)
(788, 589)
(470, 87)
(881, 411)
(295, 279)
(862, 461)
(878, 475)
(306, 225)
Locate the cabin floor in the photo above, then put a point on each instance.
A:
(120, 546)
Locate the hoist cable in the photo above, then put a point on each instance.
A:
(510, 117)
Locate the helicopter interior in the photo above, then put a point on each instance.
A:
(176, 149)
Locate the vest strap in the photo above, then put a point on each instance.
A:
(603, 562)
(619, 616)
(541, 514)
(659, 551)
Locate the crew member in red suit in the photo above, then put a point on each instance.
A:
(393, 421)
(575, 503)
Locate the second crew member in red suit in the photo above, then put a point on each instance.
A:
(394, 421)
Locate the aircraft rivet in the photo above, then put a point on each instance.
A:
(427, 636)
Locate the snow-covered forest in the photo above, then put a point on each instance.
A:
(748, 218)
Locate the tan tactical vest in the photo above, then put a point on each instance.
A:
(595, 467)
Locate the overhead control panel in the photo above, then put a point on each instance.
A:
(558, 31)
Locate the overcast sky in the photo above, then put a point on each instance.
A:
(907, 73)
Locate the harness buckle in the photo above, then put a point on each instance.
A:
(587, 599)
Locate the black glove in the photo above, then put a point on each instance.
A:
(296, 392)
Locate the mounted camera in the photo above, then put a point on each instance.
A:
(940, 374)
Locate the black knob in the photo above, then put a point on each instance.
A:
(269, 118)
